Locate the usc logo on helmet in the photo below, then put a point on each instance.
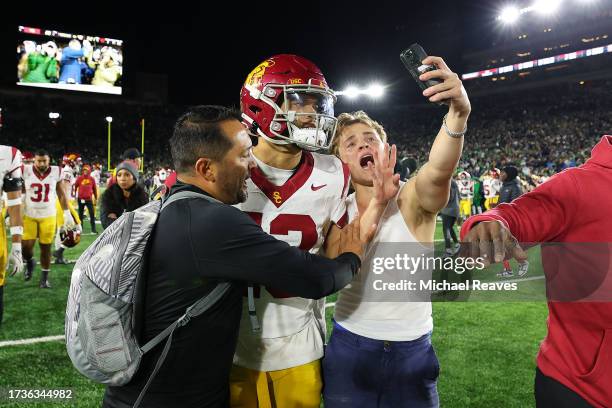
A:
(294, 81)
(277, 197)
(254, 78)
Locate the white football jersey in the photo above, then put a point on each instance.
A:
(491, 187)
(299, 212)
(466, 189)
(96, 176)
(40, 190)
(10, 164)
(156, 181)
(69, 174)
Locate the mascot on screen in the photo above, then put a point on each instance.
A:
(72, 64)
(42, 65)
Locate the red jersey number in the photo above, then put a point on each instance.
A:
(41, 192)
(281, 225)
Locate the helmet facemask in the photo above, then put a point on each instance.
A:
(293, 122)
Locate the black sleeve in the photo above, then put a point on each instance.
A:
(229, 245)
(106, 207)
(453, 193)
(516, 192)
(12, 184)
(503, 197)
(140, 198)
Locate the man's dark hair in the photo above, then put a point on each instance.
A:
(197, 134)
(41, 152)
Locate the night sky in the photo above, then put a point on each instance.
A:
(207, 53)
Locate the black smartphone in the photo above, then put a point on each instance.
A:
(412, 58)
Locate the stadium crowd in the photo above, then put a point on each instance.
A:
(541, 133)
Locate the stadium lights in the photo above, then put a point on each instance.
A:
(54, 115)
(351, 92)
(510, 14)
(546, 6)
(374, 91)
(109, 119)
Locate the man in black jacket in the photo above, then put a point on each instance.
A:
(511, 189)
(197, 243)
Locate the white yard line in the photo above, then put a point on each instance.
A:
(31, 341)
(523, 279)
(58, 338)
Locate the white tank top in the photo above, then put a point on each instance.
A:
(393, 321)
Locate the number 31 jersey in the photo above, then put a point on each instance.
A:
(299, 212)
(40, 191)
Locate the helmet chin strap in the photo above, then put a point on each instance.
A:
(276, 140)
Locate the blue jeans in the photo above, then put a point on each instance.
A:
(363, 372)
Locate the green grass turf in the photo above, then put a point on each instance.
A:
(486, 349)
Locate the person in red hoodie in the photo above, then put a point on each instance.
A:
(570, 217)
(87, 195)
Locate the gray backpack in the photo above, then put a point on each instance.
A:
(106, 295)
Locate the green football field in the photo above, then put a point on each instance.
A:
(486, 348)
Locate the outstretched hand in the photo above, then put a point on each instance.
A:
(386, 183)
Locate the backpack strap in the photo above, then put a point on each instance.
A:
(186, 194)
(199, 307)
(255, 327)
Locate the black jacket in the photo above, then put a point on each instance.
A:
(113, 201)
(452, 207)
(510, 190)
(195, 244)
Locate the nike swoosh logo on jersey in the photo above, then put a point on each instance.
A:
(315, 188)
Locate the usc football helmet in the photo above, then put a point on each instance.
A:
(464, 175)
(27, 157)
(72, 159)
(286, 100)
(495, 173)
(70, 236)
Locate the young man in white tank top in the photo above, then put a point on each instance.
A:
(380, 352)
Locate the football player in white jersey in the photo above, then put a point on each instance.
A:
(71, 166)
(296, 195)
(466, 194)
(380, 352)
(43, 185)
(11, 183)
(95, 174)
(492, 186)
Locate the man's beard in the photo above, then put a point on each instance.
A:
(242, 196)
(236, 192)
(41, 169)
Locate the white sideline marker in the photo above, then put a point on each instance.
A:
(58, 338)
(31, 341)
(523, 279)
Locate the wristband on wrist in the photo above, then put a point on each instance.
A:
(17, 230)
(13, 202)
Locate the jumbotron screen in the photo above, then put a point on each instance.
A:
(54, 59)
